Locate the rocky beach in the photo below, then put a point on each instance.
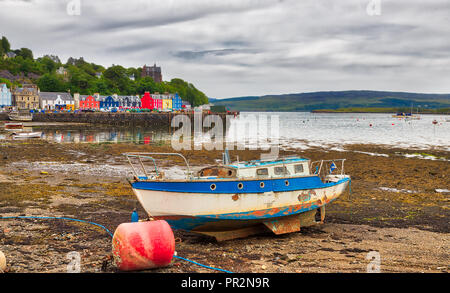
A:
(398, 207)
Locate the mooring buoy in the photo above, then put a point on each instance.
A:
(143, 245)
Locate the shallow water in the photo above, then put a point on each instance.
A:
(305, 130)
(296, 130)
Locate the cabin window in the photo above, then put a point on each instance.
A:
(298, 168)
(262, 172)
(281, 171)
(240, 185)
(213, 187)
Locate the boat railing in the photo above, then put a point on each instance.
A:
(323, 167)
(149, 156)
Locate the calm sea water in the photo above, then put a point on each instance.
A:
(304, 130)
(300, 130)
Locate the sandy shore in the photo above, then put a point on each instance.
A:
(399, 207)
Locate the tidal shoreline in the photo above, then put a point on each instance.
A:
(88, 181)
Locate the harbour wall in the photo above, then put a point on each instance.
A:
(117, 119)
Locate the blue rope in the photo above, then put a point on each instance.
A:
(60, 218)
(110, 234)
(199, 264)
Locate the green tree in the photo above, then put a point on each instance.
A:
(5, 45)
(25, 53)
(51, 83)
(48, 64)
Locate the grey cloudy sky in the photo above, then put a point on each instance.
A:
(231, 48)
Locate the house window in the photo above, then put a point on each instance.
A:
(281, 171)
(298, 168)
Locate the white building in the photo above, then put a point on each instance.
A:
(5, 95)
(50, 100)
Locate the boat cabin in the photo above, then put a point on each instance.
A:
(287, 167)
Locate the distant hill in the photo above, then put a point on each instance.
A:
(336, 100)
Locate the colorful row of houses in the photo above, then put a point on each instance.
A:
(156, 101)
(30, 97)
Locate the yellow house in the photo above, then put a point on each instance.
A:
(166, 103)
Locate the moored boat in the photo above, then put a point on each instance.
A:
(20, 117)
(24, 135)
(13, 125)
(407, 116)
(233, 200)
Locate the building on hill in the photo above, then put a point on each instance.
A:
(152, 71)
(26, 97)
(52, 101)
(62, 71)
(5, 96)
(11, 55)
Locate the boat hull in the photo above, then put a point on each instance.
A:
(12, 125)
(210, 211)
(20, 118)
(25, 135)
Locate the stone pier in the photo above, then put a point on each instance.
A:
(117, 119)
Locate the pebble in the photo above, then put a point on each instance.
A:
(263, 267)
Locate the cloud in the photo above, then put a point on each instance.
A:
(249, 47)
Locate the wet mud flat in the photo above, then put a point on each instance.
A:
(398, 207)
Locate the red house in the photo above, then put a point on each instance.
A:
(147, 101)
(89, 103)
(151, 101)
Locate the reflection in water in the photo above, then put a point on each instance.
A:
(300, 130)
(101, 135)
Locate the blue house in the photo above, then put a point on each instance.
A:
(5, 96)
(176, 103)
(109, 102)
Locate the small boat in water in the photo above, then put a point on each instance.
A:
(233, 200)
(407, 116)
(15, 116)
(13, 125)
(25, 135)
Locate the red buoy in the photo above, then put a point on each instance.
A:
(143, 245)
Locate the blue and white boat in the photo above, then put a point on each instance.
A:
(232, 200)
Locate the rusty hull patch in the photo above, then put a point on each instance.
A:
(284, 225)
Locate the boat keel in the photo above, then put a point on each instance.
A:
(278, 226)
